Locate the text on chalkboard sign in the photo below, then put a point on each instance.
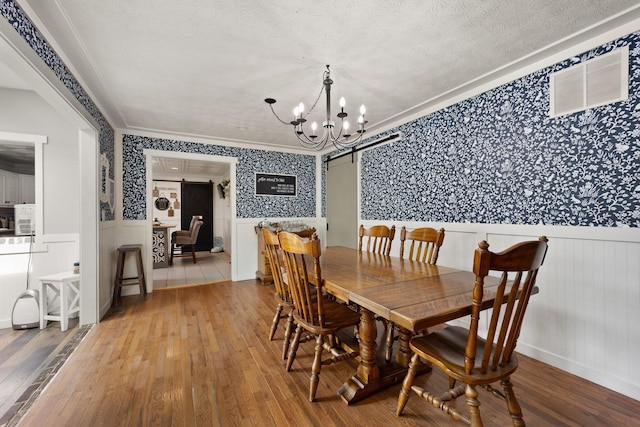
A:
(276, 185)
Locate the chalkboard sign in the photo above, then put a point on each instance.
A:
(268, 184)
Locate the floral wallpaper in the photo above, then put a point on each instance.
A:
(499, 158)
(495, 158)
(250, 161)
(21, 23)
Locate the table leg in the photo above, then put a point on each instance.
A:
(368, 369)
(43, 304)
(64, 315)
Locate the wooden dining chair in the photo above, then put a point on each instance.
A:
(313, 311)
(282, 297)
(378, 238)
(481, 361)
(425, 246)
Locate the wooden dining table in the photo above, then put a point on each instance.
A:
(413, 295)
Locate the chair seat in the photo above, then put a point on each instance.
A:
(445, 349)
(337, 316)
(182, 239)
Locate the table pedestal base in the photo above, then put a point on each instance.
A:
(355, 390)
(374, 373)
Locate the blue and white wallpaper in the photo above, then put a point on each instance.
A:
(21, 23)
(499, 158)
(494, 158)
(250, 161)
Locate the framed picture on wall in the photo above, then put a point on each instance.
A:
(269, 184)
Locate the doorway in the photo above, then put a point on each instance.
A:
(194, 168)
(197, 199)
(342, 203)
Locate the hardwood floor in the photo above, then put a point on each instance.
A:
(199, 356)
(28, 358)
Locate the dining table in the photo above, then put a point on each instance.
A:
(413, 295)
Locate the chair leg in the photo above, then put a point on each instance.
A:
(274, 323)
(117, 287)
(193, 252)
(294, 347)
(315, 368)
(287, 335)
(406, 384)
(512, 403)
(474, 405)
(389, 338)
(142, 282)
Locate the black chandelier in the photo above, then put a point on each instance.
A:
(343, 139)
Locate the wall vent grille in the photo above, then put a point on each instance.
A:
(595, 82)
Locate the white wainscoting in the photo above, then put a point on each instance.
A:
(55, 254)
(107, 257)
(586, 317)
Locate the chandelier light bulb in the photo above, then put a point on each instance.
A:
(361, 120)
(314, 126)
(295, 112)
(345, 125)
(362, 109)
(342, 102)
(301, 108)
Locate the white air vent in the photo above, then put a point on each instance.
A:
(598, 81)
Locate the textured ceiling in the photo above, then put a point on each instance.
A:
(204, 68)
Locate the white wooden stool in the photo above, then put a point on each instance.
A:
(67, 289)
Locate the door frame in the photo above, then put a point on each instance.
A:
(149, 155)
(25, 62)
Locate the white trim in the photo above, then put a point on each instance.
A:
(89, 152)
(37, 141)
(215, 141)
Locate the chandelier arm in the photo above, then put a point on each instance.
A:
(310, 143)
(348, 143)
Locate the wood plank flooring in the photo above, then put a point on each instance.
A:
(27, 358)
(199, 356)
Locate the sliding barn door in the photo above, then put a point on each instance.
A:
(197, 199)
(342, 203)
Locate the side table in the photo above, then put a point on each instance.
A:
(66, 286)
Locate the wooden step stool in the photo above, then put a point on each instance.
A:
(128, 281)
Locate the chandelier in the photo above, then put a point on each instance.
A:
(339, 136)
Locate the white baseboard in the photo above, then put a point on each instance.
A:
(617, 384)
